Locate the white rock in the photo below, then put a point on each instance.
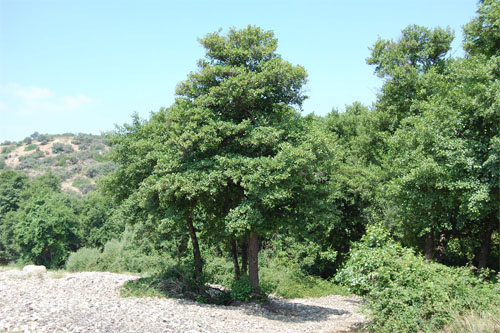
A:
(34, 270)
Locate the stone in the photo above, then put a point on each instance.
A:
(34, 270)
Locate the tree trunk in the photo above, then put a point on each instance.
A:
(429, 246)
(244, 255)
(443, 240)
(253, 254)
(198, 264)
(482, 261)
(234, 251)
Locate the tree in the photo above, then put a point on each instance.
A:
(445, 158)
(401, 63)
(12, 184)
(46, 229)
(482, 34)
(232, 157)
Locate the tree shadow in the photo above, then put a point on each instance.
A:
(288, 311)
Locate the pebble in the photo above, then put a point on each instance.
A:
(91, 302)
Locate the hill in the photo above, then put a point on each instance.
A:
(77, 159)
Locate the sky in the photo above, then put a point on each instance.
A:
(73, 66)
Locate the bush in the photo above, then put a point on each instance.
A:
(405, 292)
(285, 278)
(8, 150)
(32, 146)
(46, 229)
(84, 141)
(241, 290)
(27, 162)
(84, 185)
(59, 147)
(45, 138)
(84, 260)
(118, 256)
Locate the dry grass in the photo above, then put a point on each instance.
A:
(488, 322)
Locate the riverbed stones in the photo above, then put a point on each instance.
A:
(90, 302)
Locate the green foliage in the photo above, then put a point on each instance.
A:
(232, 153)
(118, 256)
(405, 292)
(241, 290)
(99, 170)
(219, 270)
(176, 281)
(84, 185)
(84, 260)
(46, 228)
(27, 162)
(7, 150)
(482, 34)
(96, 224)
(32, 146)
(45, 138)
(84, 141)
(59, 147)
(143, 287)
(284, 277)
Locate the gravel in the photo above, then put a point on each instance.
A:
(90, 302)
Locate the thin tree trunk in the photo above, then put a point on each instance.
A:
(234, 251)
(429, 246)
(482, 261)
(244, 255)
(198, 264)
(442, 242)
(253, 254)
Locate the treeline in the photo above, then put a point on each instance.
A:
(232, 173)
(42, 224)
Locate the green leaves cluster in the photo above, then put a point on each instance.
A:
(408, 294)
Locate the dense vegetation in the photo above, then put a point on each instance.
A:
(398, 202)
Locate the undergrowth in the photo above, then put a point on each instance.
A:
(408, 294)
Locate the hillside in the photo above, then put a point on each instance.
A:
(77, 159)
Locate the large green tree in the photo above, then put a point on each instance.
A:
(444, 157)
(231, 158)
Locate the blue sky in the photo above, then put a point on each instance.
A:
(83, 66)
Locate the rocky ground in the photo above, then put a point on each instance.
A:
(90, 302)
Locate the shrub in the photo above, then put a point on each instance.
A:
(46, 229)
(118, 256)
(285, 278)
(84, 185)
(44, 138)
(241, 290)
(8, 150)
(27, 162)
(219, 270)
(32, 146)
(2, 164)
(84, 141)
(405, 292)
(59, 147)
(84, 260)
